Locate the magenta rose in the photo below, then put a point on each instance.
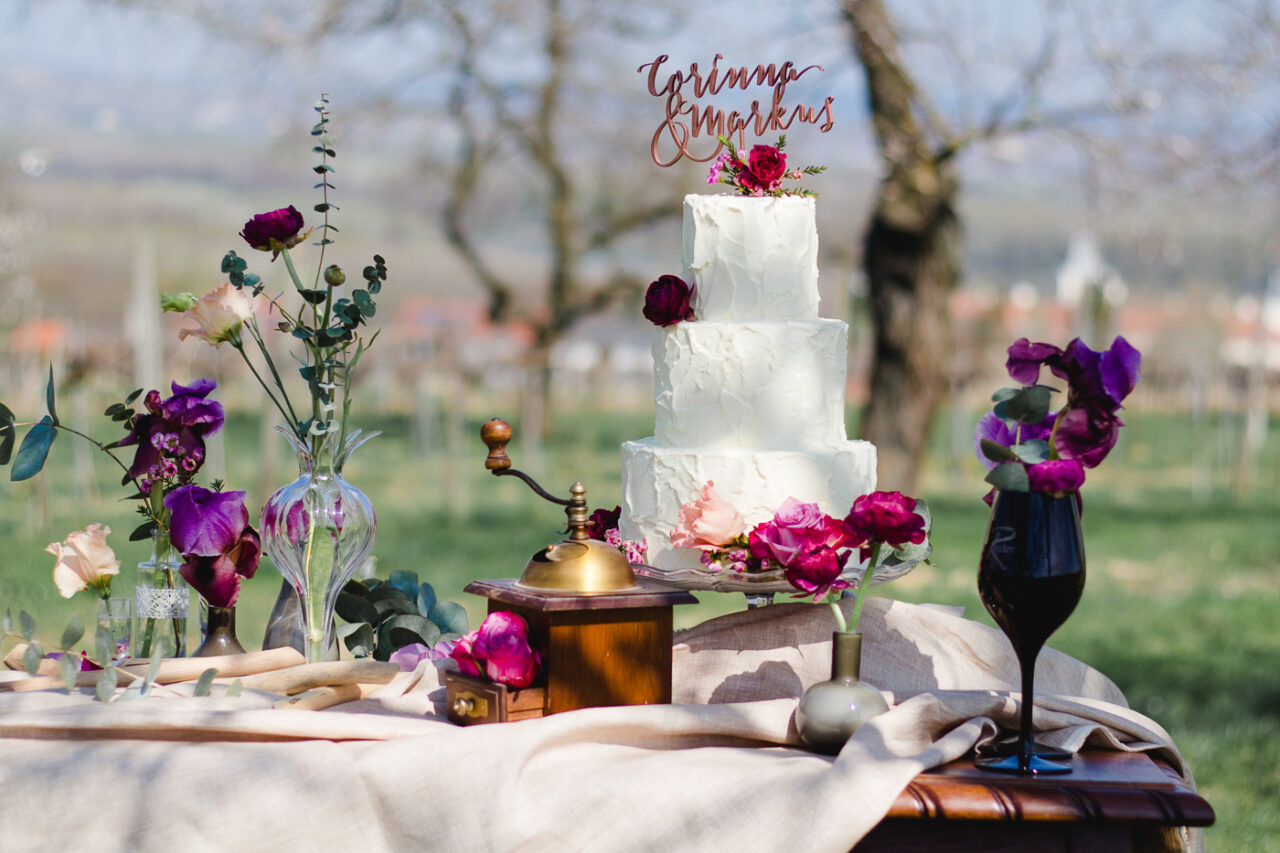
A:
(668, 301)
(887, 517)
(463, 652)
(502, 644)
(1056, 477)
(794, 528)
(765, 168)
(816, 571)
(275, 230)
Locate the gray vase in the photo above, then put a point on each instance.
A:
(831, 711)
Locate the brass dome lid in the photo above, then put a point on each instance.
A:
(580, 566)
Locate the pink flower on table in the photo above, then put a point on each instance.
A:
(218, 316)
(708, 523)
(887, 517)
(816, 571)
(502, 642)
(794, 528)
(84, 560)
(463, 652)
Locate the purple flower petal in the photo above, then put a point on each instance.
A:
(205, 522)
(1025, 359)
(1119, 367)
(1086, 434)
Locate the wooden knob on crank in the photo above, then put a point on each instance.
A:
(495, 434)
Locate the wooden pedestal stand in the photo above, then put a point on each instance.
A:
(600, 649)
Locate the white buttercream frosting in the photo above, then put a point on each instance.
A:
(751, 258)
(760, 385)
(656, 480)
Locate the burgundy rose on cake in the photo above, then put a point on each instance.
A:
(759, 172)
(1028, 448)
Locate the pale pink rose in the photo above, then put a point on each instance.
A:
(84, 560)
(218, 316)
(709, 523)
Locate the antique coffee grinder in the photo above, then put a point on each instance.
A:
(604, 634)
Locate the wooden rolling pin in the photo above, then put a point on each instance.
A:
(318, 698)
(171, 669)
(296, 679)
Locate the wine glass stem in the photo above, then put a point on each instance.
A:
(1027, 662)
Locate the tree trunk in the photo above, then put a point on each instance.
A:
(909, 254)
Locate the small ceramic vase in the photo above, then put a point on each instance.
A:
(220, 638)
(831, 711)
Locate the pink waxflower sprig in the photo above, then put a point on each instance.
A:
(759, 172)
(811, 547)
(603, 526)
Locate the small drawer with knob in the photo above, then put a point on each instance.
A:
(470, 700)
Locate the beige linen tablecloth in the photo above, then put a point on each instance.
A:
(716, 770)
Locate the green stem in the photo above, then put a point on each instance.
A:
(271, 365)
(293, 273)
(860, 597)
(293, 422)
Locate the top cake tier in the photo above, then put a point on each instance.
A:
(751, 258)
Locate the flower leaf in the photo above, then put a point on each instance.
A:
(426, 599)
(1028, 406)
(995, 451)
(1032, 452)
(48, 398)
(26, 625)
(355, 609)
(405, 629)
(1004, 394)
(106, 686)
(204, 682)
(34, 450)
(73, 632)
(234, 690)
(31, 658)
(406, 582)
(133, 395)
(68, 668)
(1009, 477)
(450, 616)
(8, 434)
(142, 531)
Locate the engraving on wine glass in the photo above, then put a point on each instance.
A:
(1002, 545)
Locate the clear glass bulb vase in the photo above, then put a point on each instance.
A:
(318, 530)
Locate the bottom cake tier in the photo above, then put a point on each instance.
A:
(657, 480)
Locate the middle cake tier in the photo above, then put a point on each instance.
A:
(758, 385)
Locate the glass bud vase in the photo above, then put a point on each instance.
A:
(318, 530)
(115, 615)
(161, 603)
(831, 711)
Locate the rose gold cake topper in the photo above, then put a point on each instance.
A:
(712, 122)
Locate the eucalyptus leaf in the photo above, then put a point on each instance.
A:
(34, 450)
(73, 632)
(354, 609)
(1009, 477)
(31, 658)
(48, 397)
(387, 606)
(1004, 394)
(204, 682)
(106, 686)
(406, 582)
(1028, 406)
(8, 434)
(346, 629)
(26, 625)
(385, 590)
(132, 693)
(361, 643)
(995, 451)
(357, 588)
(426, 599)
(104, 645)
(1033, 452)
(406, 630)
(133, 395)
(450, 616)
(235, 689)
(69, 668)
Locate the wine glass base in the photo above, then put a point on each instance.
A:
(1004, 747)
(1022, 765)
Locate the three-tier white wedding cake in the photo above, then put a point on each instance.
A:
(749, 394)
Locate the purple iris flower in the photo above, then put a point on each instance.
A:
(219, 547)
(1087, 434)
(174, 428)
(1025, 359)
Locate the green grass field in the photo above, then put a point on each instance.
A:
(1179, 609)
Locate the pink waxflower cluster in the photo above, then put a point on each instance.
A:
(811, 547)
(603, 526)
(499, 650)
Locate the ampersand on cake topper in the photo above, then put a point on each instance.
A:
(713, 122)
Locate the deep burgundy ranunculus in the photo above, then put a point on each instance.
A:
(219, 547)
(275, 230)
(602, 521)
(816, 571)
(764, 169)
(1086, 434)
(174, 429)
(887, 517)
(668, 301)
(1056, 476)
